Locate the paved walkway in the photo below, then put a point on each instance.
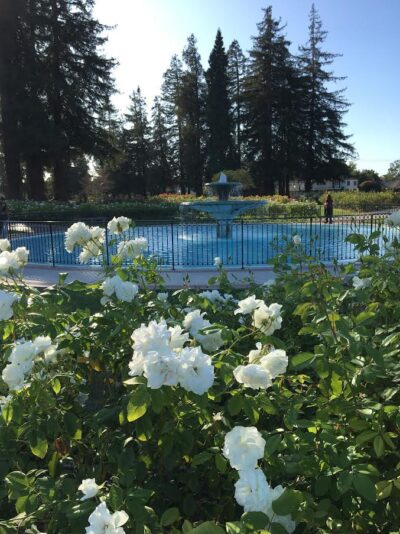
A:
(43, 275)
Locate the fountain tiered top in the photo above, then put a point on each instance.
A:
(222, 187)
(223, 210)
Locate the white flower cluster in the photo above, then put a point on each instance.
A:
(361, 283)
(262, 368)
(90, 238)
(6, 304)
(194, 322)
(160, 356)
(123, 290)
(11, 262)
(215, 296)
(102, 521)
(265, 318)
(296, 239)
(118, 225)
(132, 248)
(22, 358)
(243, 447)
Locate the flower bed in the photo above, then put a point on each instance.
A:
(127, 408)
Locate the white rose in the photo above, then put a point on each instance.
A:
(275, 362)
(394, 218)
(126, 291)
(89, 488)
(252, 490)
(117, 225)
(243, 447)
(22, 254)
(163, 297)
(101, 521)
(132, 248)
(253, 376)
(6, 302)
(248, 305)
(194, 321)
(196, 370)
(361, 283)
(14, 376)
(267, 318)
(77, 234)
(153, 337)
(255, 354)
(178, 337)
(217, 261)
(161, 369)
(296, 239)
(4, 245)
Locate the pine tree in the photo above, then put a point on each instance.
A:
(325, 141)
(236, 70)
(267, 92)
(160, 170)
(171, 103)
(218, 109)
(193, 116)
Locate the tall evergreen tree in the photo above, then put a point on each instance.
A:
(78, 84)
(193, 115)
(11, 13)
(267, 88)
(171, 102)
(160, 170)
(237, 71)
(137, 136)
(218, 109)
(323, 109)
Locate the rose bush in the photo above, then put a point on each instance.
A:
(128, 408)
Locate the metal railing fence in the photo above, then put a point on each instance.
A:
(196, 244)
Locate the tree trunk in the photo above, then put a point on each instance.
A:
(9, 90)
(34, 174)
(59, 185)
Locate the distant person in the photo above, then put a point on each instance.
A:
(328, 209)
(4, 213)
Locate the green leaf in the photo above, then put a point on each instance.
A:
(235, 404)
(368, 435)
(383, 489)
(221, 463)
(207, 528)
(288, 502)
(254, 520)
(138, 403)
(56, 385)
(301, 360)
(17, 480)
(116, 497)
(272, 444)
(365, 487)
(201, 458)
(169, 517)
(379, 446)
(234, 528)
(39, 446)
(277, 528)
(364, 316)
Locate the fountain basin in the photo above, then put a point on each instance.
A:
(223, 211)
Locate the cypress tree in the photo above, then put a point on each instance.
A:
(137, 143)
(193, 115)
(171, 102)
(236, 70)
(218, 109)
(160, 171)
(323, 109)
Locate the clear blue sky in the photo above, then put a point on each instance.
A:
(366, 32)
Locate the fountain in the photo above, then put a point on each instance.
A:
(223, 210)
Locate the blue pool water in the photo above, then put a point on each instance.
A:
(196, 244)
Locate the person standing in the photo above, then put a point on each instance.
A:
(4, 213)
(328, 208)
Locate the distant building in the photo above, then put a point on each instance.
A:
(297, 187)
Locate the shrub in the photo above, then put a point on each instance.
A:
(361, 201)
(163, 433)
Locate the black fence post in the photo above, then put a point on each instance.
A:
(107, 251)
(52, 244)
(172, 246)
(242, 244)
(311, 224)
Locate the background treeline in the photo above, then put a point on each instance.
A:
(271, 114)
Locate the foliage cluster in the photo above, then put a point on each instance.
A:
(331, 422)
(365, 201)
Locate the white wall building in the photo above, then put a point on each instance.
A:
(298, 186)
